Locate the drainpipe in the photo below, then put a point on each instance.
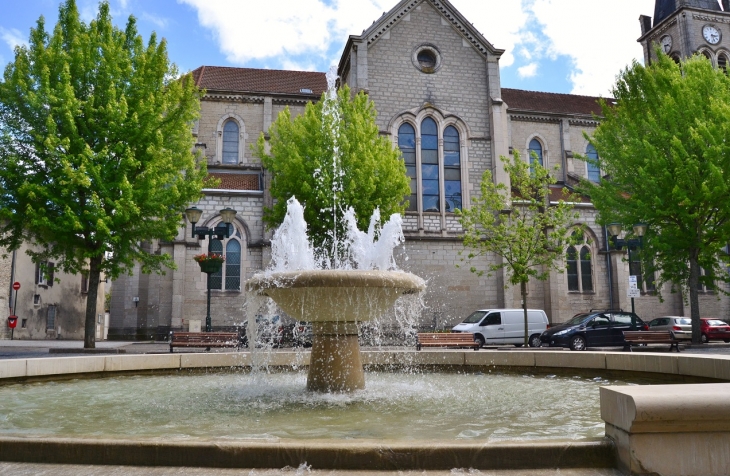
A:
(608, 268)
(10, 285)
(563, 160)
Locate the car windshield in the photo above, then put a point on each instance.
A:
(715, 322)
(475, 317)
(577, 319)
(683, 322)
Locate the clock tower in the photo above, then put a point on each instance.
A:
(686, 27)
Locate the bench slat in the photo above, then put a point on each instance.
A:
(650, 337)
(445, 339)
(204, 339)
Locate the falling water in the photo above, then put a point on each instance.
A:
(291, 249)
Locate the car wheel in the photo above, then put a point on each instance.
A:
(726, 340)
(578, 343)
(704, 339)
(535, 341)
(479, 339)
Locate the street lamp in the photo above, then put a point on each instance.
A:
(614, 229)
(220, 232)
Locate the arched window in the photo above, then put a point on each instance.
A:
(452, 169)
(594, 172)
(230, 274)
(230, 142)
(535, 152)
(432, 155)
(722, 62)
(579, 262)
(407, 146)
(430, 165)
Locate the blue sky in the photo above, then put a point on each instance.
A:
(562, 46)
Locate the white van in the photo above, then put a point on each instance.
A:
(504, 326)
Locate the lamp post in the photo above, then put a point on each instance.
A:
(614, 229)
(221, 231)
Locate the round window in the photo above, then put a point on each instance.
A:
(426, 58)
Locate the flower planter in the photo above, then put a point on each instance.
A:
(210, 266)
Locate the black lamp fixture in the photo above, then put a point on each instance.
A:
(220, 232)
(614, 229)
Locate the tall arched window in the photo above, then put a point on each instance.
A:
(230, 142)
(580, 264)
(407, 146)
(452, 169)
(594, 172)
(434, 166)
(230, 274)
(430, 165)
(535, 152)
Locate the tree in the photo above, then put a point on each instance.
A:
(519, 225)
(663, 146)
(95, 148)
(330, 157)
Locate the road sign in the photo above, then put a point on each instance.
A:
(16, 285)
(632, 279)
(633, 292)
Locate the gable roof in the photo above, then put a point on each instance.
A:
(537, 101)
(260, 81)
(395, 15)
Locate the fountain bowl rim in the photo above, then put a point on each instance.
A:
(336, 278)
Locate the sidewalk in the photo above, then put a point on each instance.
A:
(27, 349)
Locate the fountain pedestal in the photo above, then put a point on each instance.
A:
(334, 301)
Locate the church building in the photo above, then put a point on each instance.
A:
(435, 82)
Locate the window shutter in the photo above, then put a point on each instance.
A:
(38, 275)
(50, 274)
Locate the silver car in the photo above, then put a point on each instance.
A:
(680, 327)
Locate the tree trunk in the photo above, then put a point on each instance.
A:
(523, 292)
(694, 300)
(90, 321)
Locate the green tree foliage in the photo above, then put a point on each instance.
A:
(302, 150)
(95, 148)
(521, 226)
(664, 146)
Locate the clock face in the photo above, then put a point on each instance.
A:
(711, 34)
(666, 42)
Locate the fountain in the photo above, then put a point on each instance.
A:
(355, 282)
(334, 300)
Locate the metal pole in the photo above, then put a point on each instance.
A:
(208, 323)
(632, 299)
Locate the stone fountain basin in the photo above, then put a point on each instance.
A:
(335, 295)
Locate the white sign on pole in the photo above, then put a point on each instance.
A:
(633, 292)
(632, 279)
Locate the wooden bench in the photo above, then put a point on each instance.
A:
(204, 339)
(650, 337)
(446, 339)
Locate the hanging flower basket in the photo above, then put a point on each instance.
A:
(210, 263)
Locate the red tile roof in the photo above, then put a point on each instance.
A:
(551, 102)
(237, 181)
(248, 80)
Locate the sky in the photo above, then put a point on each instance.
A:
(560, 46)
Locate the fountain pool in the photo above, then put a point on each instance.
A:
(402, 406)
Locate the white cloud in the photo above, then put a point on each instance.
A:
(527, 71)
(12, 37)
(600, 39)
(160, 22)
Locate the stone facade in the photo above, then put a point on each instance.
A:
(6, 291)
(51, 306)
(422, 61)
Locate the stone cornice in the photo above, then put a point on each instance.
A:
(584, 122)
(525, 118)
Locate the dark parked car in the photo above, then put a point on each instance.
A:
(714, 329)
(593, 329)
